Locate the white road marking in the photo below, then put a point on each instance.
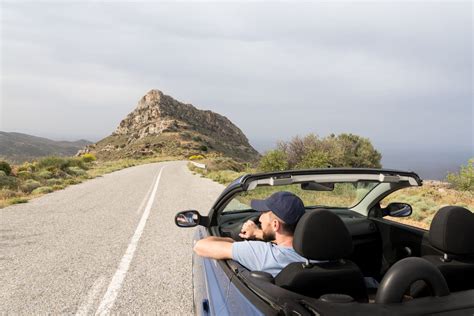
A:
(91, 295)
(110, 296)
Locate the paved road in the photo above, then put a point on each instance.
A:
(108, 245)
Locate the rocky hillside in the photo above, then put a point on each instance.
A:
(17, 147)
(161, 125)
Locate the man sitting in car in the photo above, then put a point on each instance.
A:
(274, 249)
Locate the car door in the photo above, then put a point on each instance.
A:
(400, 241)
(218, 291)
(210, 283)
(401, 238)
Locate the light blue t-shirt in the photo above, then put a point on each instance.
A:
(264, 256)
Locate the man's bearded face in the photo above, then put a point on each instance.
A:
(267, 229)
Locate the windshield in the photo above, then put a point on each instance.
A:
(341, 195)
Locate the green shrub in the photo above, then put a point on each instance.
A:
(5, 166)
(314, 159)
(42, 190)
(203, 148)
(76, 171)
(51, 163)
(273, 160)
(58, 187)
(54, 163)
(197, 139)
(77, 162)
(24, 174)
(60, 174)
(28, 166)
(2, 173)
(44, 174)
(89, 157)
(464, 179)
(30, 185)
(18, 200)
(72, 181)
(8, 182)
(51, 182)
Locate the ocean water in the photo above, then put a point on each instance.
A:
(429, 164)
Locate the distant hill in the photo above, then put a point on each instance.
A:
(17, 147)
(161, 125)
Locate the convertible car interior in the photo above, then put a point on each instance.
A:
(358, 261)
(404, 263)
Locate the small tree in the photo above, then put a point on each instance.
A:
(273, 160)
(5, 166)
(464, 179)
(314, 159)
(354, 151)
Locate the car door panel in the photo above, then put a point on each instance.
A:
(210, 284)
(400, 241)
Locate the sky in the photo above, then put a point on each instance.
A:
(398, 72)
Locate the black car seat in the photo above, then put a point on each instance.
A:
(452, 232)
(321, 235)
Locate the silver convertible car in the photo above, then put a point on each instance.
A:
(369, 262)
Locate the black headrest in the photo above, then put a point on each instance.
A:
(452, 230)
(322, 235)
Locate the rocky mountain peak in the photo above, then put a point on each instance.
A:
(153, 96)
(158, 116)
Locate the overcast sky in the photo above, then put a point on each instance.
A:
(399, 73)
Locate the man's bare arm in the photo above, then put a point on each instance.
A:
(214, 247)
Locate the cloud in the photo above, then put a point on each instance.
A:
(389, 71)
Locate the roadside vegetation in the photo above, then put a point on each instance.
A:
(345, 150)
(463, 180)
(19, 183)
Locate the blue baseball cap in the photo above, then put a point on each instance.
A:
(287, 206)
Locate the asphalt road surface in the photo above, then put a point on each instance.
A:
(108, 245)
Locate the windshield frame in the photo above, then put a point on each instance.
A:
(394, 180)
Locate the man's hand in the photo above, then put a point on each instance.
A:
(250, 231)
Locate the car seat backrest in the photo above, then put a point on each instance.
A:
(322, 235)
(452, 231)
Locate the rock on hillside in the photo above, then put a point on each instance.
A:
(161, 125)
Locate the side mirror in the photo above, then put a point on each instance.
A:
(190, 218)
(398, 210)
